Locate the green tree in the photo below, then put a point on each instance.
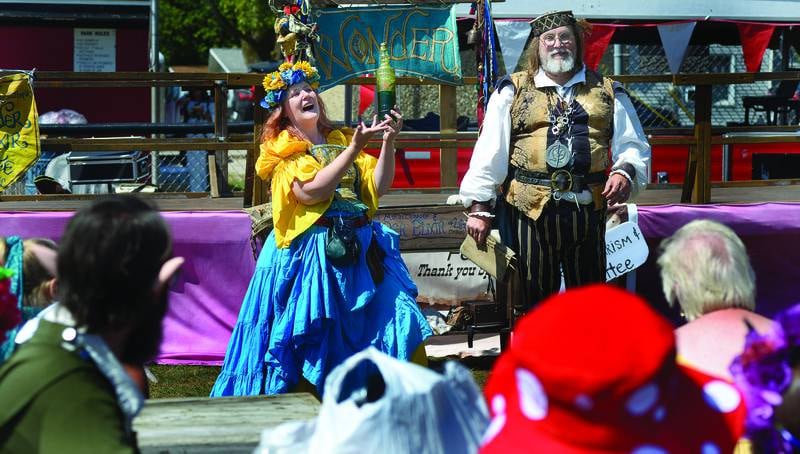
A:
(188, 28)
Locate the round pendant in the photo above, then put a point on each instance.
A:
(557, 155)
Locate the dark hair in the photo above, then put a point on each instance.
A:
(109, 259)
(581, 30)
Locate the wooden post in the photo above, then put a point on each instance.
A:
(448, 151)
(221, 133)
(690, 175)
(256, 191)
(702, 134)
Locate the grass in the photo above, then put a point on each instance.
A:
(182, 381)
(196, 381)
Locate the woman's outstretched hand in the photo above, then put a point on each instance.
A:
(364, 133)
(394, 123)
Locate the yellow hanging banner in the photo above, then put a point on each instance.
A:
(19, 128)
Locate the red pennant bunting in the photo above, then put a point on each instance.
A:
(596, 43)
(755, 38)
(366, 96)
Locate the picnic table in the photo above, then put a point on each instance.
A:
(224, 424)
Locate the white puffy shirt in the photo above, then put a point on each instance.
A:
(488, 166)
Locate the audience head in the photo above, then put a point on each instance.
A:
(113, 264)
(38, 272)
(36, 268)
(705, 267)
(768, 372)
(593, 370)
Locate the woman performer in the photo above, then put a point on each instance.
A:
(329, 281)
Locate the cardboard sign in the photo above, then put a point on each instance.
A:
(19, 128)
(422, 42)
(446, 277)
(626, 249)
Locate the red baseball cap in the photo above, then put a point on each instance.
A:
(593, 370)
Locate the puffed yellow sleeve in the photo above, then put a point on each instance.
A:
(290, 217)
(366, 164)
(274, 150)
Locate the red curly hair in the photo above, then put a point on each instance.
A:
(278, 121)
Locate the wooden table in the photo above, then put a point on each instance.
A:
(226, 424)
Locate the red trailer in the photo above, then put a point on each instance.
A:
(82, 35)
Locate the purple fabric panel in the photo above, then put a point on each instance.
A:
(769, 231)
(205, 301)
(34, 224)
(204, 304)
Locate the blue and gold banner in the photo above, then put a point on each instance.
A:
(19, 128)
(422, 42)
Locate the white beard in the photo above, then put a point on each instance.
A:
(557, 66)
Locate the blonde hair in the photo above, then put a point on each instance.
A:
(35, 277)
(705, 267)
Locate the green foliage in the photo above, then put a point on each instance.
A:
(188, 28)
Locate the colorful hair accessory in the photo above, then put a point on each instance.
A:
(288, 74)
(10, 315)
(763, 372)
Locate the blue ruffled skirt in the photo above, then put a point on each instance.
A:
(303, 315)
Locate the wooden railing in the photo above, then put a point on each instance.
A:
(696, 187)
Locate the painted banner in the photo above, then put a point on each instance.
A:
(422, 42)
(19, 128)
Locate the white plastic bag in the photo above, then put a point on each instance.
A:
(376, 403)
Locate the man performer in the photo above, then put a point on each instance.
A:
(544, 146)
(65, 389)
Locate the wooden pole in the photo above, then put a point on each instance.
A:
(702, 134)
(256, 191)
(448, 151)
(220, 131)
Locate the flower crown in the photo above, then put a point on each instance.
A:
(288, 74)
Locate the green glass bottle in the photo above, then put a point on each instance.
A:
(385, 82)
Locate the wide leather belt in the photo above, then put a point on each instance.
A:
(560, 180)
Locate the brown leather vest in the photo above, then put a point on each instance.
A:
(531, 133)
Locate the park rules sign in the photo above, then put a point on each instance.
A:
(626, 249)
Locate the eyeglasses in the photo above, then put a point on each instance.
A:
(564, 38)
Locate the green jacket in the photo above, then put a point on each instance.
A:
(55, 400)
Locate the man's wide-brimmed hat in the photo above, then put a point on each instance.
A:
(593, 370)
(549, 21)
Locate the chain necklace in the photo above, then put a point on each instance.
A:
(558, 154)
(561, 112)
